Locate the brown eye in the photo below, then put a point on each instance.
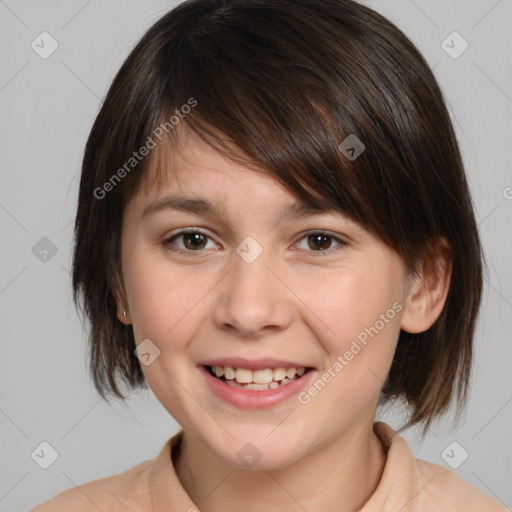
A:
(194, 241)
(319, 241)
(188, 241)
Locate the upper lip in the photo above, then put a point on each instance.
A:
(256, 364)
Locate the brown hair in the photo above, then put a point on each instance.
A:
(286, 81)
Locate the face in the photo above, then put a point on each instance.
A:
(235, 275)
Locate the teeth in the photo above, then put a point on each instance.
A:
(279, 373)
(243, 375)
(258, 377)
(257, 387)
(263, 376)
(229, 372)
(290, 373)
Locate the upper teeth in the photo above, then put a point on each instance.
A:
(266, 376)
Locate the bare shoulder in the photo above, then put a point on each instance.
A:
(448, 492)
(126, 492)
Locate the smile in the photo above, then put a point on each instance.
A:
(256, 380)
(265, 385)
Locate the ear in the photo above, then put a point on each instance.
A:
(122, 311)
(429, 289)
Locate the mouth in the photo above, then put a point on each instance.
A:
(263, 379)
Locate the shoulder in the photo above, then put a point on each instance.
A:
(450, 493)
(414, 485)
(127, 491)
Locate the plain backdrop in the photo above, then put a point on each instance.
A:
(47, 106)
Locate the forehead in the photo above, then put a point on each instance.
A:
(188, 164)
(187, 174)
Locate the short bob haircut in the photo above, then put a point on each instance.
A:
(279, 85)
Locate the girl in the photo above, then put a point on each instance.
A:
(275, 234)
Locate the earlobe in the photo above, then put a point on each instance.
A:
(428, 291)
(122, 315)
(121, 312)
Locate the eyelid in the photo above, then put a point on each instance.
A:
(202, 231)
(168, 239)
(341, 242)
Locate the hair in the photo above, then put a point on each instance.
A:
(279, 85)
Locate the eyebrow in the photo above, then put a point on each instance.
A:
(205, 207)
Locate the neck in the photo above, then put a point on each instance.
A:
(343, 474)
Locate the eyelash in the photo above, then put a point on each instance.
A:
(321, 253)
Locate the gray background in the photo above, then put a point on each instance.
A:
(47, 108)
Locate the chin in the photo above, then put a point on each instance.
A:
(258, 450)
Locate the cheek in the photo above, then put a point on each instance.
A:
(163, 298)
(357, 322)
(362, 311)
(165, 307)
(351, 302)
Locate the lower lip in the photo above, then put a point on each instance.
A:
(250, 398)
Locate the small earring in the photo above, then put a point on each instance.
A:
(124, 312)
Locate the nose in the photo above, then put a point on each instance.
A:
(252, 299)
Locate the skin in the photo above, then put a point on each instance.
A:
(287, 304)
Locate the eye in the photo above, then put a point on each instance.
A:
(320, 242)
(191, 241)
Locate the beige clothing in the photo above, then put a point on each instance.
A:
(407, 485)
